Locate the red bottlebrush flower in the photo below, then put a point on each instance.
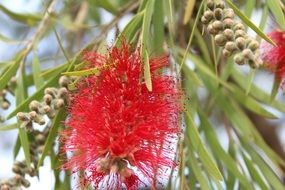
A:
(120, 133)
(274, 56)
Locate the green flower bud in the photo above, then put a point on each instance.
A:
(248, 54)
(227, 53)
(229, 13)
(228, 23)
(220, 4)
(239, 59)
(209, 15)
(218, 25)
(240, 42)
(211, 29)
(253, 45)
(229, 34)
(230, 46)
(218, 12)
(240, 33)
(220, 39)
(239, 26)
(211, 4)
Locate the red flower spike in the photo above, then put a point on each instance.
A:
(274, 56)
(120, 133)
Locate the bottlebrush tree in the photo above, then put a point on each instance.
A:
(149, 94)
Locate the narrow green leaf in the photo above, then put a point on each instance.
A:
(38, 80)
(9, 127)
(29, 19)
(269, 174)
(86, 72)
(249, 23)
(220, 153)
(5, 78)
(52, 135)
(131, 28)
(55, 71)
(20, 97)
(9, 40)
(207, 160)
(197, 171)
(158, 26)
(144, 38)
(276, 10)
(108, 6)
(254, 173)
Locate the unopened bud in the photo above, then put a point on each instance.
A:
(229, 34)
(48, 98)
(220, 4)
(229, 13)
(227, 53)
(218, 25)
(253, 45)
(228, 23)
(239, 26)
(240, 33)
(218, 12)
(248, 54)
(22, 116)
(209, 15)
(211, 29)
(5, 105)
(230, 46)
(239, 59)
(204, 20)
(211, 4)
(34, 105)
(240, 42)
(220, 39)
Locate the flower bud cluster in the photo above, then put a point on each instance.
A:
(21, 169)
(230, 34)
(4, 102)
(53, 100)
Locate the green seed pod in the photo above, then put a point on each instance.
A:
(209, 15)
(229, 13)
(239, 59)
(227, 53)
(248, 54)
(240, 33)
(211, 29)
(240, 42)
(211, 4)
(218, 12)
(220, 39)
(239, 26)
(253, 45)
(229, 34)
(230, 46)
(228, 23)
(218, 25)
